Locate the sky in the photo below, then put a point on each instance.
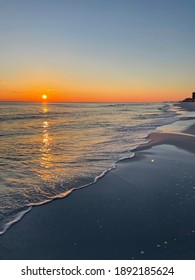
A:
(97, 50)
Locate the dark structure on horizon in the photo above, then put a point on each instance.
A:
(190, 99)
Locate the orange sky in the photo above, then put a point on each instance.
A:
(95, 96)
(100, 96)
(83, 92)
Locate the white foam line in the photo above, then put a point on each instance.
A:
(62, 195)
(113, 167)
(57, 196)
(17, 218)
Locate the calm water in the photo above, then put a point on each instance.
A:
(48, 149)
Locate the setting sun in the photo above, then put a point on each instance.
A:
(44, 96)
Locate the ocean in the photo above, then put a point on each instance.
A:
(49, 149)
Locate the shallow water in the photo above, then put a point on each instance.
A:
(48, 149)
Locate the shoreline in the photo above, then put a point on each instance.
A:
(25, 239)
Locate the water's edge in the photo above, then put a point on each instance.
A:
(18, 216)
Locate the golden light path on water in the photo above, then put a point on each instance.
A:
(50, 173)
(46, 155)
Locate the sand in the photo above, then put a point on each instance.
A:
(143, 209)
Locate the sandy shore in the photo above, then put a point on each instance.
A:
(143, 209)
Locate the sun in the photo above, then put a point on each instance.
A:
(44, 96)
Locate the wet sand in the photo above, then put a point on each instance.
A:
(143, 209)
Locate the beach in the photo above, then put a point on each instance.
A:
(142, 209)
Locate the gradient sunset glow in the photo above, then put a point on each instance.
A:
(97, 51)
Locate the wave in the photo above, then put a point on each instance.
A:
(37, 116)
(20, 117)
(109, 145)
(17, 217)
(145, 127)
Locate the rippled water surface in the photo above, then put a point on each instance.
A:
(47, 149)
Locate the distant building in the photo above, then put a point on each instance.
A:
(190, 99)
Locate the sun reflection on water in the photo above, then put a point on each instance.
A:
(44, 108)
(46, 155)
